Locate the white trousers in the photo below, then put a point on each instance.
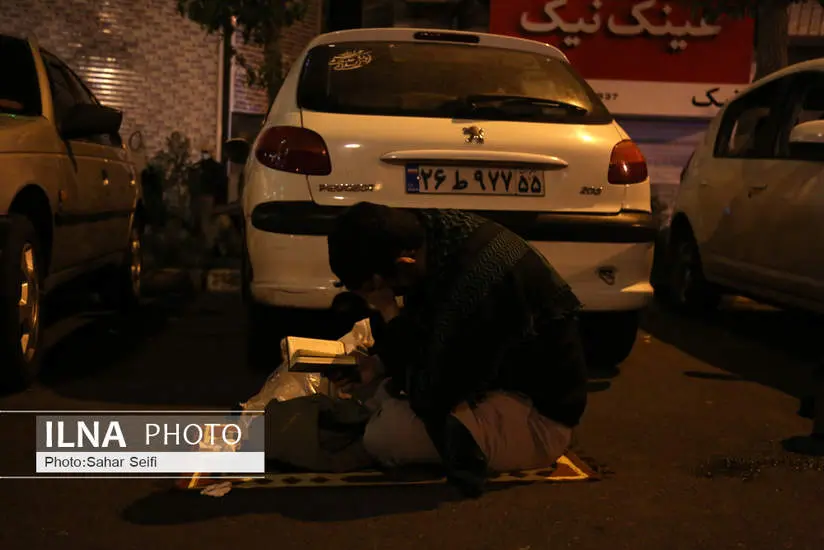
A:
(508, 429)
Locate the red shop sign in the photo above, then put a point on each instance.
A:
(627, 43)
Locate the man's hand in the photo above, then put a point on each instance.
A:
(381, 298)
(347, 381)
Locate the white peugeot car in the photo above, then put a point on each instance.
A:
(751, 200)
(439, 119)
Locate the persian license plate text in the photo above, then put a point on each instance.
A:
(474, 181)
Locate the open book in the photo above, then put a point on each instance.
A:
(313, 355)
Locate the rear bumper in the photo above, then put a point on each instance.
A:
(290, 263)
(310, 219)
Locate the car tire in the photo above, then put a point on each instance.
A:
(686, 289)
(21, 312)
(608, 337)
(124, 288)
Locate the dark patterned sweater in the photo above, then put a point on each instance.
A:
(492, 314)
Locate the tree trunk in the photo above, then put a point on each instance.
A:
(771, 37)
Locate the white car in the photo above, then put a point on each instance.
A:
(420, 118)
(751, 200)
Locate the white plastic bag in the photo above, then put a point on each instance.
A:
(217, 490)
(360, 337)
(283, 385)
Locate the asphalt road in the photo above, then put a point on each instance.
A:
(689, 434)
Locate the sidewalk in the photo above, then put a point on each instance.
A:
(219, 280)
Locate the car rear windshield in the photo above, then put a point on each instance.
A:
(446, 81)
(19, 89)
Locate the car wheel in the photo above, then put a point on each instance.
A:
(686, 288)
(21, 293)
(608, 337)
(125, 287)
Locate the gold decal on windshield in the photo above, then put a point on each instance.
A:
(349, 60)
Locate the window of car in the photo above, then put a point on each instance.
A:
(69, 90)
(82, 92)
(750, 123)
(425, 79)
(806, 104)
(63, 98)
(19, 86)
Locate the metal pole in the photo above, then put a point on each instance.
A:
(220, 76)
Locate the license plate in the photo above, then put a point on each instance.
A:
(458, 180)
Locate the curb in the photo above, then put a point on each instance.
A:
(222, 280)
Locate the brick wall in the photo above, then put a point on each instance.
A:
(296, 37)
(247, 99)
(141, 57)
(254, 100)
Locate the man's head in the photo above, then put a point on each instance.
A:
(372, 244)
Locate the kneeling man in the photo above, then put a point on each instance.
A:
(483, 363)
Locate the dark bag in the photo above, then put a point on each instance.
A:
(317, 433)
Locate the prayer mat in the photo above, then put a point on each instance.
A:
(568, 468)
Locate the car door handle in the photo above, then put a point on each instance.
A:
(105, 175)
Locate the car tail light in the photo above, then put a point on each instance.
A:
(293, 149)
(627, 164)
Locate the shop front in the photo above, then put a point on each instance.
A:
(663, 72)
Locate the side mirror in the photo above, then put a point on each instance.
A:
(807, 141)
(808, 132)
(237, 150)
(85, 120)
